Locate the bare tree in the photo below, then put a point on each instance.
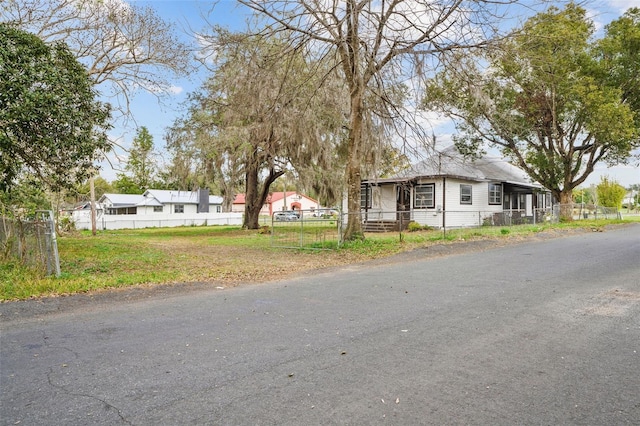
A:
(378, 44)
(125, 48)
(201, 157)
(262, 108)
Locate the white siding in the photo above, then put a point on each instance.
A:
(448, 210)
(145, 210)
(169, 208)
(429, 216)
(383, 203)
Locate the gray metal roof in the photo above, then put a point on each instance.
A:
(179, 197)
(157, 197)
(118, 200)
(450, 163)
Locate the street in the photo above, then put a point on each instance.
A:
(536, 333)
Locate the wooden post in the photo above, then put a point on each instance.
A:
(92, 190)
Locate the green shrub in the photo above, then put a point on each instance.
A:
(264, 230)
(414, 226)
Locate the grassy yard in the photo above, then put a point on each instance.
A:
(222, 256)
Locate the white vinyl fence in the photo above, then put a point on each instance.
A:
(82, 220)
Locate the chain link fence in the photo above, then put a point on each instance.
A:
(33, 242)
(377, 221)
(585, 211)
(309, 229)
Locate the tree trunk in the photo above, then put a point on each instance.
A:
(227, 203)
(254, 198)
(228, 195)
(353, 230)
(252, 204)
(566, 205)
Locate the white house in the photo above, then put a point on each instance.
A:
(161, 201)
(157, 208)
(279, 201)
(629, 199)
(447, 190)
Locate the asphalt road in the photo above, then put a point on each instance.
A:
(538, 333)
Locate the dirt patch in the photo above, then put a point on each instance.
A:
(613, 303)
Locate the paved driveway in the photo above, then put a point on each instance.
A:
(542, 333)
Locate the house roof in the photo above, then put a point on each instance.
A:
(450, 163)
(277, 196)
(273, 197)
(165, 196)
(239, 199)
(122, 199)
(157, 197)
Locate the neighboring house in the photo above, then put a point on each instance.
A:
(156, 208)
(629, 199)
(161, 201)
(279, 201)
(447, 190)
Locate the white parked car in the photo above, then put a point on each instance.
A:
(287, 216)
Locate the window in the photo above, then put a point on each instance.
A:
(178, 208)
(157, 209)
(122, 210)
(465, 194)
(424, 196)
(218, 209)
(495, 193)
(365, 196)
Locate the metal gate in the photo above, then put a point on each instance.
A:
(308, 229)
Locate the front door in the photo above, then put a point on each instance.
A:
(403, 203)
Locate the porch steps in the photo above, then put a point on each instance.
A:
(383, 226)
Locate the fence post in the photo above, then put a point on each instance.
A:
(301, 229)
(51, 243)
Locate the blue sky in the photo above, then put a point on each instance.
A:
(188, 17)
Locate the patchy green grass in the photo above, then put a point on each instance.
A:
(221, 255)
(631, 217)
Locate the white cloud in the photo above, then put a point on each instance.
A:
(175, 90)
(623, 5)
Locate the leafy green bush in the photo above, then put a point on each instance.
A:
(415, 226)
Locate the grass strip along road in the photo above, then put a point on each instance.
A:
(225, 256)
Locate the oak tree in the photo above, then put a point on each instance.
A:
(545, 98)
(51, 125)
(262, 111)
